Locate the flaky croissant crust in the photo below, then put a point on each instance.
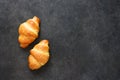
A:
(39, 55)
(28, 31)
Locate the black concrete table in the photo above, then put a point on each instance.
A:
(84, 38)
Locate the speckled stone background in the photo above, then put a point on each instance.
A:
(84, 38)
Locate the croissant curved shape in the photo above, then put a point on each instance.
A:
(39, 55)
(28, 31)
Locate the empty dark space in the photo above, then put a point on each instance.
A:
(84, 38)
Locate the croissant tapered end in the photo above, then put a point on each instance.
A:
(33, 64)
(28, 31)
(23, 45)
(36, 19)
(39, 55)
(43, 43)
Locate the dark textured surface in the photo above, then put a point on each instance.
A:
(84, 39)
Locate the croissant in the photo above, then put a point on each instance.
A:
(28, 31)
(39, 55)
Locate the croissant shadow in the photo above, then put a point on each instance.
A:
(32, 45)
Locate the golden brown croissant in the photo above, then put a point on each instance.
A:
(28, 31)
(39, 55)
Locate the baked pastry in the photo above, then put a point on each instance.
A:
(39, 55)
(28, 31)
